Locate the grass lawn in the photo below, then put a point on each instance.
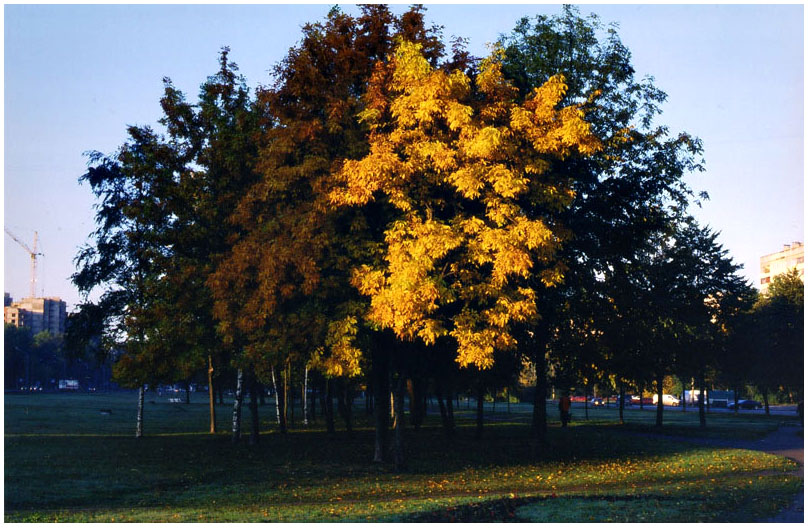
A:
(65, 461)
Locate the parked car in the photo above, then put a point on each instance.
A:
(745, 404)
(597, 402)
(628, 399)
(667, 399)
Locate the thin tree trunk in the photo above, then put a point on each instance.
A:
(450, 425)
(642, 393)
(539, 423)
(660, 403)
(285, 407)
(586, 404)
(479, 430)
(255, 433)
(187, 393)
(735, 399)
(237, 405)
(211, 396)
(380, 360)
(766, 399)
(393, 408)
(304, 398)
(684, 400)
(702, 398)
(344, 404)
(508, 398)
(398, 449)
(140, 397)
(329, 407)
(277, 396)
(621, 403)
(281, 417)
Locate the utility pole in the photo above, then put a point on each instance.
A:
(33, 253)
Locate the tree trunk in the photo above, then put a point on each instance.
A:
(329, 407)
(285, 400)
(766, 399)
(539, 423)
(586, 404)
(380, 363)
(450, 424)
(445, 402)
(187, 393)
(278, 397)
(393, 408)
(702, 401)
(211, 396)
(684, 400)
(255, 422)
(398, 406)
(417, 402)
(479, 430)
(220, 393)
(140, 397)
(304, 398)
(441, 405)
(621, 404)
(344, 404)
(642, 391)
(508, 398)
(735, 399)
(237, 405)
(660, 403)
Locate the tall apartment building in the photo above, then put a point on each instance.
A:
(38, 314)
(790, 257)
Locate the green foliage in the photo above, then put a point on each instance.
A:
(778, 322)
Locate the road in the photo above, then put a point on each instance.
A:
(779, 410)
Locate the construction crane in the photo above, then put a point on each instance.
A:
(33, 253)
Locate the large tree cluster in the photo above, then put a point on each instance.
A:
(390, 214)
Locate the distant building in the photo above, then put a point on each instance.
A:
(38, 314)
(6, 299)
(792, 256)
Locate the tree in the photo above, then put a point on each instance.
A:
(453, 158)
(778, 318)
(17, 349)
(624, 194)
(124, 258)
(454, 174)
(214, 142)
(284, 286)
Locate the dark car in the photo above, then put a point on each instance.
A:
(745, 404)
(597, 402)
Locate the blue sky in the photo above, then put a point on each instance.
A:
(75, 76)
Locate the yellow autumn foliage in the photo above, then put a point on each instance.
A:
(458, 167)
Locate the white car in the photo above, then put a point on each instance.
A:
(667, 399)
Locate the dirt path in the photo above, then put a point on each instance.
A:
(785, 441)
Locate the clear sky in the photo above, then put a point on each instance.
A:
(75, 76)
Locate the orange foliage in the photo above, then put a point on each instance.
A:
(458, 159)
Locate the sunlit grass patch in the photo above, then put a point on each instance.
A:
(65, 472)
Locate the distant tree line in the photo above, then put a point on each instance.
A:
(37, 362)
(398, 216)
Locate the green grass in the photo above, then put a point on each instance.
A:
(64, 461)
